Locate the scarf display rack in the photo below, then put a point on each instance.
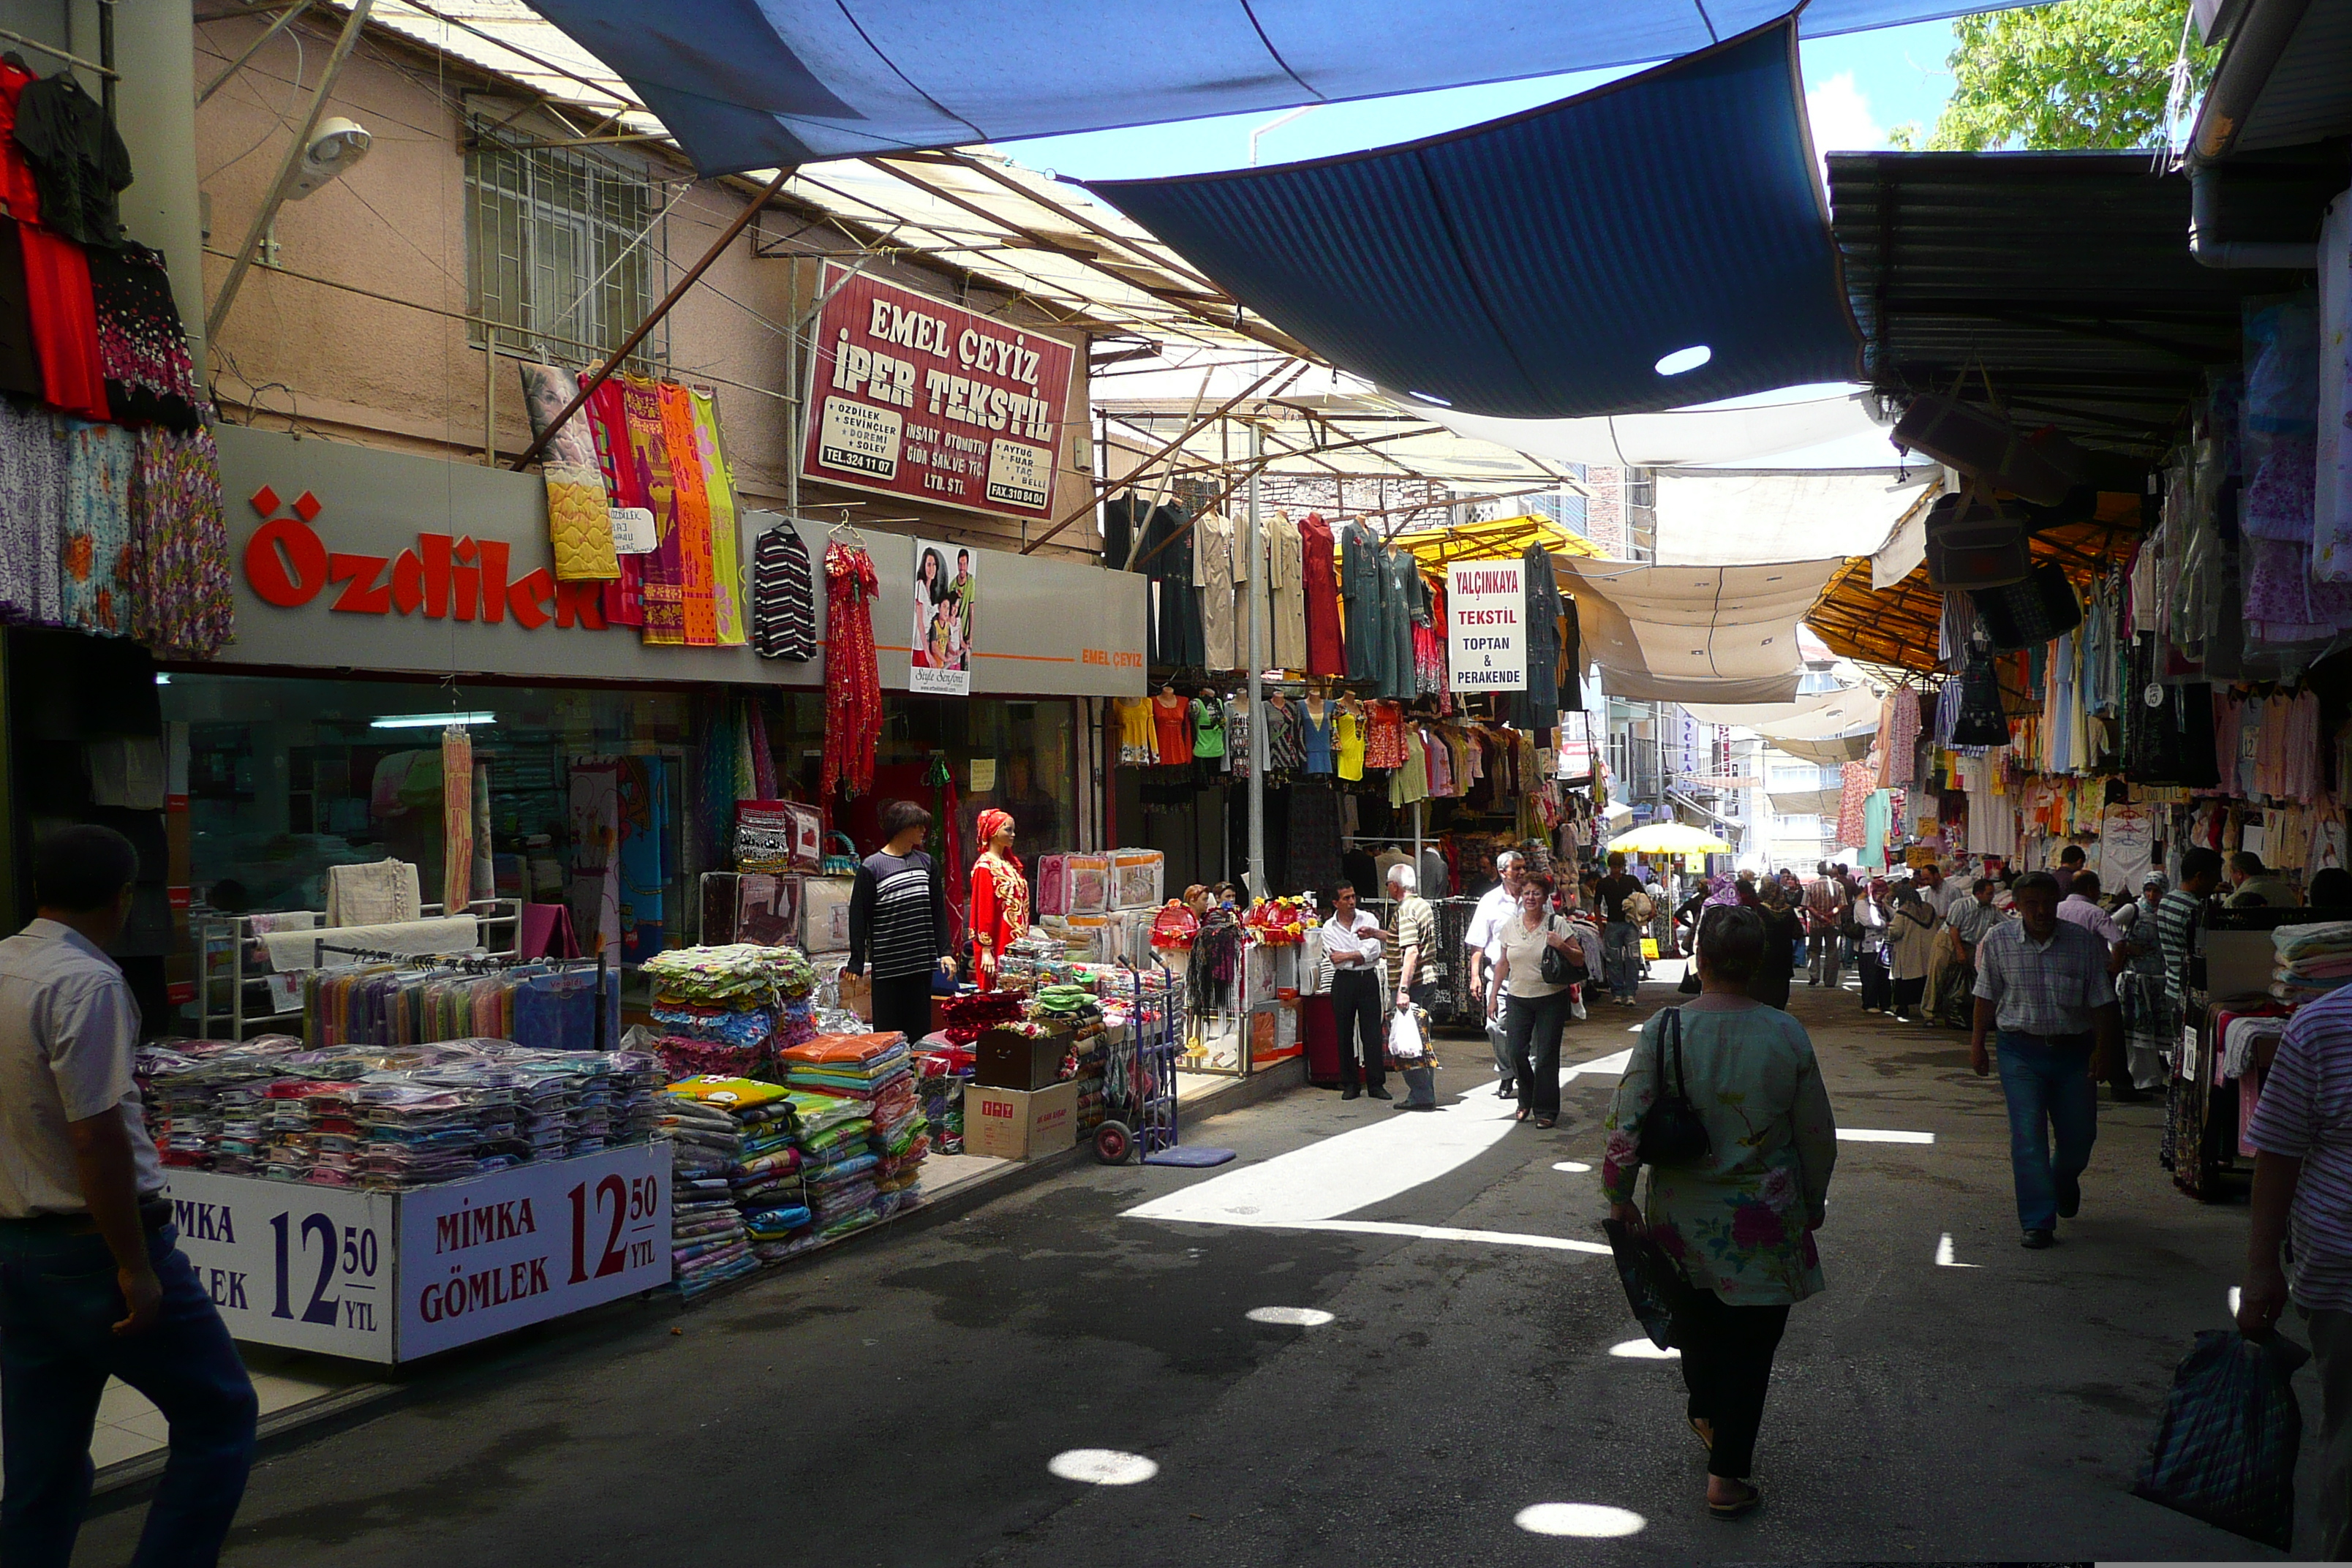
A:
(376, 963)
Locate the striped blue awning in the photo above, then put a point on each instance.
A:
(1659, 242)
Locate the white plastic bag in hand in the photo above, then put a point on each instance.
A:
(1404, 1037)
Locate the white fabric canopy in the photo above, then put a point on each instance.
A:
(1680, 435)
(1807, 719)
(1694, 634)
(1732, 517)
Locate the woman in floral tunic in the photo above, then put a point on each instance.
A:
(1739, 1224)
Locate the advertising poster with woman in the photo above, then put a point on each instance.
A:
(947, 590)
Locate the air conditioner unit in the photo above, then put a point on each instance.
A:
(2042, 467)
(1971, 544)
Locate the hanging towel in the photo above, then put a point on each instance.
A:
(372, 894)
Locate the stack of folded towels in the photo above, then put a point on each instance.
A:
(2312, 960)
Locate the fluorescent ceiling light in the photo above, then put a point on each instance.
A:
(1682, 360)
(429, 720)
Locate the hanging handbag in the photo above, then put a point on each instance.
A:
(1981, 721)
(1671, 1133)
(1557, 968)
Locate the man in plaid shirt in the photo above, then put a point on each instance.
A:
(2043, 984)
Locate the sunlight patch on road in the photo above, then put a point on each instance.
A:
(1585, 1518)
(1102, 1467)
(1290, 1317)
(1882, 1135)
(1944, 1259)
(1643, 1349)
(1573, 1167)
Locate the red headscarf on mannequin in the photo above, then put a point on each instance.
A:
(992, 823)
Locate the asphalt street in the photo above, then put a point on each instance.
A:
(908, 1399)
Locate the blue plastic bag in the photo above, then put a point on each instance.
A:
(2225, 1452)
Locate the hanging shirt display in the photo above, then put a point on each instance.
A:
(1400, 600)
(784, 597)
(1171, 730)
(1138, 746)
(1209, 729)
(1537, 707)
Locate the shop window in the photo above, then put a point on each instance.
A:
(288, 777)
(557, 267)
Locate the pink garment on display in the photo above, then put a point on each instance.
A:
(1902, 737)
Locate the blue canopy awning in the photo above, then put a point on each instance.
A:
(757, 84)
(1540, 267)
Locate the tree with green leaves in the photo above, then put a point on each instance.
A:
(2081, 73)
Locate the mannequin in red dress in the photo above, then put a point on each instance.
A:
(1000, 897)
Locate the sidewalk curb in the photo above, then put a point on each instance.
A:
(131, 1482)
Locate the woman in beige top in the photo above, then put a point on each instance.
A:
(1538, 1009)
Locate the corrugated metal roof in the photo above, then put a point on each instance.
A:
(2308, 95)
(2064, 278)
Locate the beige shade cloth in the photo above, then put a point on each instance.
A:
(1733, 516)
(1848, 748)
(1694, 634)
(1806, 801)
(296, 950)
(1673, 436)
(1811, 718)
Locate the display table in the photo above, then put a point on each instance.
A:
(391, 1277)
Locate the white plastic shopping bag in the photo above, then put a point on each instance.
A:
(1404, 1037)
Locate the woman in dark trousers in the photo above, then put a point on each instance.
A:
(1538, 1009)
(898, 923)
(1738, 1224)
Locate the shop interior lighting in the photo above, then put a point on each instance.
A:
(429, 720)
(1682, 360)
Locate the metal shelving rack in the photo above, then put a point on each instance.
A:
(225, 991)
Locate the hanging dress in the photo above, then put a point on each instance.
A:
(1319, 580)
(1316, 735)
(853, 681)
(1136, 748)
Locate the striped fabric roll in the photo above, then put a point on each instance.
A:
(784, 597)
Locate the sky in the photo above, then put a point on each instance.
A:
(1856, 85)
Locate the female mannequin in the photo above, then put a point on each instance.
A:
(1171, 723)
(1000, 897)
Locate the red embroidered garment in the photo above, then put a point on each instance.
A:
(1000, 912)
(1383, 736)
(1326, 653)
(853, 681)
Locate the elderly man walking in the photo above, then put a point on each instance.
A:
(2043, 983)
(1825, 907)
(1412, 935)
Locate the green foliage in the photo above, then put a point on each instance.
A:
(2081, 73)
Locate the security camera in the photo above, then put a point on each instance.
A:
(338, 144)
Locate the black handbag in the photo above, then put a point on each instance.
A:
(1655, 1288)
(1672, 1133)
(1555, 966)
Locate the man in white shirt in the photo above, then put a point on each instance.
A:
(1351, 941)
(93, 1281)
(1937, 894)
(1478, 942)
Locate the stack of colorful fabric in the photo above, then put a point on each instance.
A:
(837, 1165)
(723, 1009)
(707, 1242)
(2312, 960)
(765, 1181)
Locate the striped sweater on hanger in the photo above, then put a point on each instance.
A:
(784, 597)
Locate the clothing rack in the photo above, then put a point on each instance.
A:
(233, 937)
(476, 964)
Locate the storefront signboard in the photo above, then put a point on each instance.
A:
(920, 398)
(386, 1277)
(1486, 610)
(345, 557)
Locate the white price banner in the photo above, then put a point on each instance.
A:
(291, 1264)
(386, 1277)
(1485, 617)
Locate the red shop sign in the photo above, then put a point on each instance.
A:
(445, 577)
(918, 398)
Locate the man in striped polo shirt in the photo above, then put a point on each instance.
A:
(2178, 916)
(2301, 1132)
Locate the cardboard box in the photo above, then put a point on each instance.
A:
(857, 995)
(1011, 1124)
(1006, 1059)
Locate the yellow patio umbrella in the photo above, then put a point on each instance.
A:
(1669, 838)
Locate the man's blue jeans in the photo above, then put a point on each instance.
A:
(2050, 1091)
(1621, 957)
(59, 1304)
